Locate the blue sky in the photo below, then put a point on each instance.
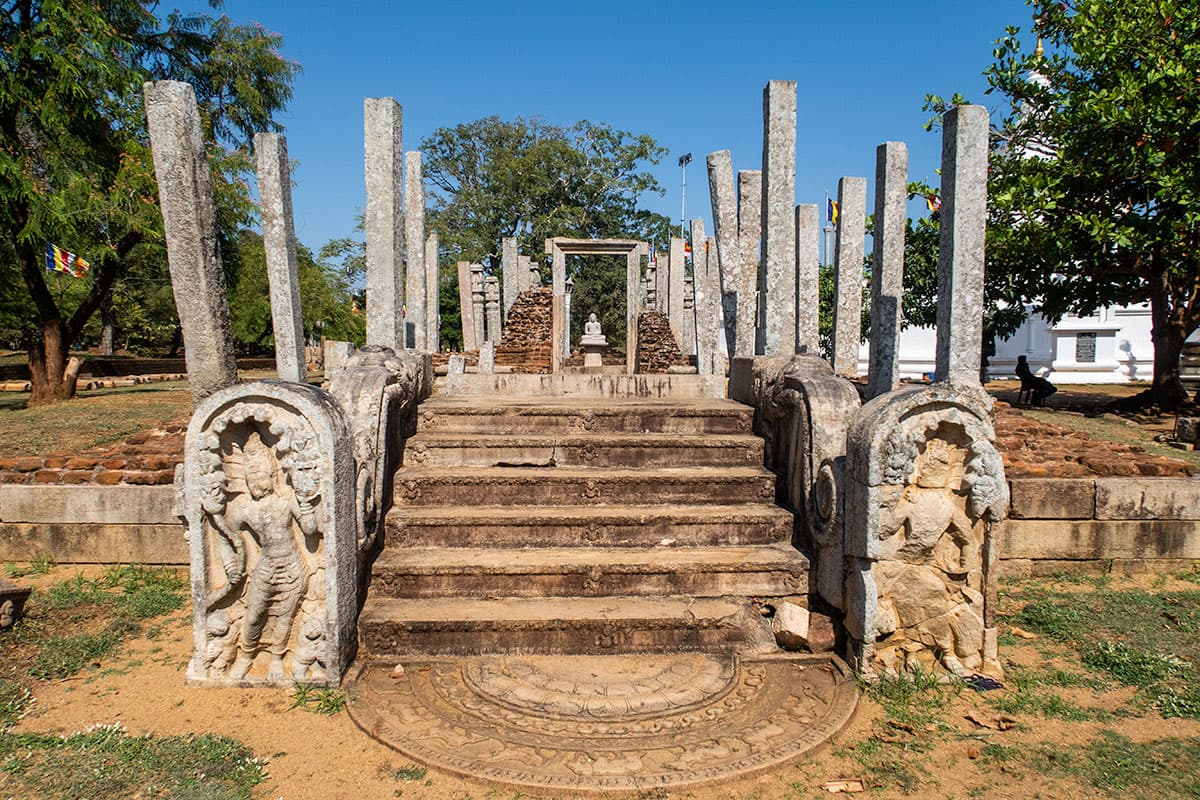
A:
(690, 75)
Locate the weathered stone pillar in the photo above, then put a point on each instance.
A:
(491, 298)
(466, 307)
(808, 279)
(477, 304)
(724, 210)
(279, 241)
(961, 249)
(509, 266)
(662, 281)
(749, 235)
(533, 275)
(675, 273)
(558, 268)
(651, 284)
(707, 289)
(383, 157)
(689, 314)
(190, 226)
(557, 331)
(848, 256)
(777, 285)
(887, 268)
(414, 235)
(336, 354)
(433, 286)
(633, 269)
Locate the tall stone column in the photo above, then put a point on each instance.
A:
(721, 359)
(279, 241)
(707, 300)
(558, 268)
(466, 306)
(777, 284)
(723, 197)
(808, 279)
(749, 314)
(675, 274)
(651, 284)
(491, 299)
(848, 256)
(633, 269)
(414, 234)
(477, 304)
(689, 314)
(383, 157)
(190, 225)
(433, 285)
(509, 266)
(961, 248)
(887, 267)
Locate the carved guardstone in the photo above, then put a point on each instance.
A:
(925, 490)
(266, 491)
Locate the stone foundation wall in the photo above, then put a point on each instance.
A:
(144, 459)
(1101, 525)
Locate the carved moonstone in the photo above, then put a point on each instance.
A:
(267, 491)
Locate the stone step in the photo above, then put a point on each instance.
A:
(581, 486)
(587, 388)
(583, 450)
(697, 416)
(584, 626)
(587, 526)
(742, 571)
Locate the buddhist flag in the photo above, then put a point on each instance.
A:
(831, 213)
(59, 260)
(934, 202)
(687, 251)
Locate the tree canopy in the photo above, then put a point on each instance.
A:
(533, 180)
(1094, 184)
(75, 166)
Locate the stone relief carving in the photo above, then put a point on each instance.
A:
(919, 528)
(259, 491)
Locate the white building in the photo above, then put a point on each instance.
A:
(1112, 346)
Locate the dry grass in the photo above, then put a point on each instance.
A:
(94, 418)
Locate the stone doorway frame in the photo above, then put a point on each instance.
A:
(558, 249)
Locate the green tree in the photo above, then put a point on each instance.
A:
(75, 166)
(1095, 173)
(530, 179)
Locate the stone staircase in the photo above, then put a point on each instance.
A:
(580, 525)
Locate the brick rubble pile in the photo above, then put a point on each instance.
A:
(657, 348)
(525, 345)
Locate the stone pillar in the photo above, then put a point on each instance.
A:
(383, 157)
(675, 273)
(808, 279)
(414, 235)
(777, 284)
(749, 235)
(848, 256)
(689, 313)
(477, 304)
(509, 265)
(633, 269)
(336, 354)
(466, 307)
(702, 301)
(721, 359)
(662, 281)
(491, 298)
(558, 268)
(729, 259)
(961, 248)
(566, 339)
(190, 225)
(279, 241)
(557, 313)
(887, 266)
(433, 286)
(651, 284)
(533, 275)
(487, 356)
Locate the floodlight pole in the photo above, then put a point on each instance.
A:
(684, 160)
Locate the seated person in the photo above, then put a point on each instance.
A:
(1039, 388)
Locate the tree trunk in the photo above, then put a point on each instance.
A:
(108, 326)
(47, 365)
(1168, 334)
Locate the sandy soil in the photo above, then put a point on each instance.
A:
(314, 757)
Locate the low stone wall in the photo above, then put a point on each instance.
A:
(88, 524)
(1101, 525)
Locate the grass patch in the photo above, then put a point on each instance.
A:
(62, 657)
(92, 419)
(107, 762)
(410, 772)
(318, 700)
(1031, 691)
(1149, 640)
(14, 700)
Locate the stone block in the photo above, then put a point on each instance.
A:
(12, 602)
(1043, 540)
(87, 504)
(1053, 498)
(790, 626)
(1148, 498)
(93, 543)
(1187, 429)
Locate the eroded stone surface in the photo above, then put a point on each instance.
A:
(594, 723)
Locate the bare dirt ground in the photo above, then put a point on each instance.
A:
(902, 742)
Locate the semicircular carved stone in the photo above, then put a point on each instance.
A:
(266, 491)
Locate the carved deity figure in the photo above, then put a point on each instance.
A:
(267, 511)
(592, 326)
